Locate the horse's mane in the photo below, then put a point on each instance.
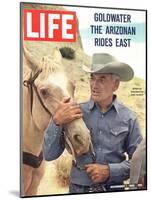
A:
(51, 66)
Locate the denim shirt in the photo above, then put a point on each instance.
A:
(113, 134)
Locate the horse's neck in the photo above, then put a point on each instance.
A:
(32, 137)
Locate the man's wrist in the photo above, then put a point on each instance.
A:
(106, 172)
(56, 121)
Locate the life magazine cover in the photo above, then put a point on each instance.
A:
(83, 99)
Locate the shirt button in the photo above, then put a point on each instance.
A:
(102, 116)
(100, 132)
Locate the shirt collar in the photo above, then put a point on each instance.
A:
(114, 104)
(91, 104)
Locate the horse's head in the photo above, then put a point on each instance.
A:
(52, 86)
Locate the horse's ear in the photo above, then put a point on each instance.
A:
(57, 55)
(32, 62)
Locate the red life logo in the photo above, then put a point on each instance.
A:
(50, 25)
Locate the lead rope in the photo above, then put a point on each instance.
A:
(74, 158)
(71, 147)
(93, 152)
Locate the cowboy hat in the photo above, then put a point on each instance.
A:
(106, 63)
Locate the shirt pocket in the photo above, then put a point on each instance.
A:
(119, 130)
(117, 138)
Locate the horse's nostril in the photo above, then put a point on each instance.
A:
(78, 138)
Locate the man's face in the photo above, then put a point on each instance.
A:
(102, 87)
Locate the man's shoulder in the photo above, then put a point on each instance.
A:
(126, 111)
(85, 105)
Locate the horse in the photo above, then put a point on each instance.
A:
(44, 86)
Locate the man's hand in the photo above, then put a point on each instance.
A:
(67, 112)
(97, 172)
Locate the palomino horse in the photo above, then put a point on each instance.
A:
(45, 85)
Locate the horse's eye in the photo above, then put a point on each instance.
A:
(44, 92)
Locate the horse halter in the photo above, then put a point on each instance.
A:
(29, 158)
(74, 162)
(31, 85)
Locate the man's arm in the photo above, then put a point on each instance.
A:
(53, 145)
(121, 171)
(117, 172)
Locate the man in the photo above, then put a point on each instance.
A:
(114, 129)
